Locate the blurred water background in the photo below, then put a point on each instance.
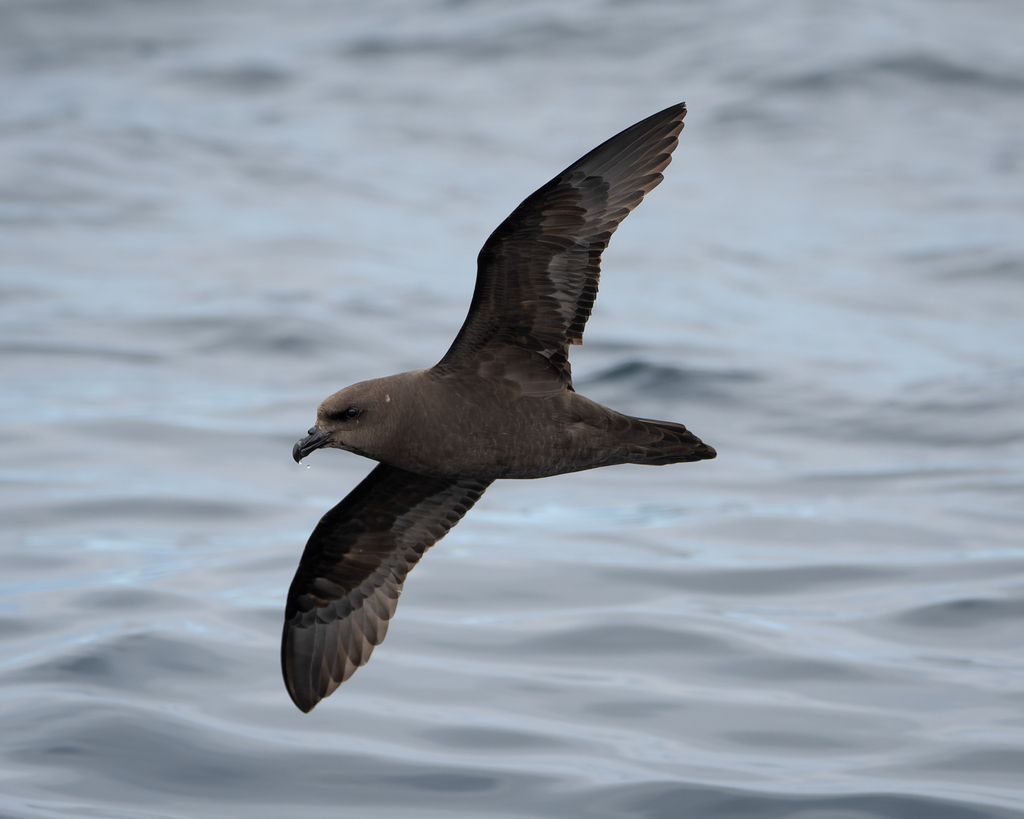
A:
(214, 214)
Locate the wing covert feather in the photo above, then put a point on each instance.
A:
(350, 577)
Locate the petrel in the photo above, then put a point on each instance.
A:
(500, 404)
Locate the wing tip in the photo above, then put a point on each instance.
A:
(305, 706)
(675, 112)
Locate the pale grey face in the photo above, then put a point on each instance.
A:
(354, 419)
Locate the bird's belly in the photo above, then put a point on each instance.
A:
(484, 453)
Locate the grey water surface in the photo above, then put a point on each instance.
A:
(214, 214)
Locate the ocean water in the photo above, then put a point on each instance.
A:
(212, 215)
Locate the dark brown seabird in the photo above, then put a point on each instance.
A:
(500, 404)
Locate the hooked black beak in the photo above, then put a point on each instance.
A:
(316, 439)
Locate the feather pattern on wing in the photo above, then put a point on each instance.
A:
(352, 570)
(537, 274)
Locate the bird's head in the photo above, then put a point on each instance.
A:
(357, 419)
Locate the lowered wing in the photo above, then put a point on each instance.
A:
(352, 570)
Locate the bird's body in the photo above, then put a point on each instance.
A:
(487, 426)
(500, 404)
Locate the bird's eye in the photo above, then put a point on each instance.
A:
(351, 412)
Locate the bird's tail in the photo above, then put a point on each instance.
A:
(664, 442)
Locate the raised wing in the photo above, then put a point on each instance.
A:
(537, 274)
(351, 573)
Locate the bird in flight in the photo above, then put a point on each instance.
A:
(500, 404)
